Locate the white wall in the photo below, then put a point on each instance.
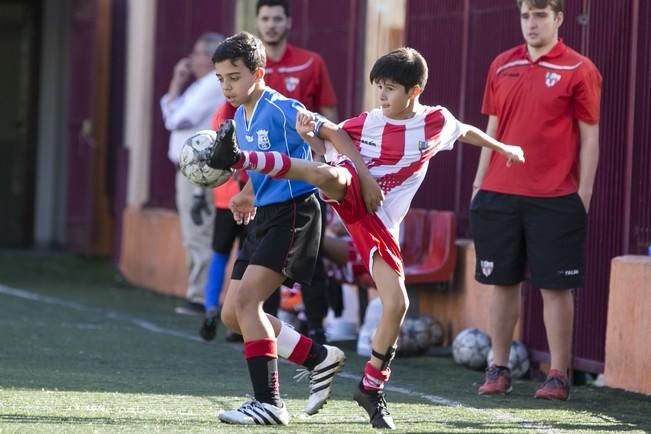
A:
(139, 93)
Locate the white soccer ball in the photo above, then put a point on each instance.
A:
(470, 348)
(195, 168)
(518, 359)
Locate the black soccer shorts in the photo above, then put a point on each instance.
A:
(226, 231)
(513, 233)
(285, 237)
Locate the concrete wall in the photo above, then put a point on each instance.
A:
(628, 352)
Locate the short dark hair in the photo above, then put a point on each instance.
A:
(271, 3)
(242, 46)
(405, 66)
(556, 5)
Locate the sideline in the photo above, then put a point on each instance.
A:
(151, 327)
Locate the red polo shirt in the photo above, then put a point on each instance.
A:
(302, 75)
(537, 105)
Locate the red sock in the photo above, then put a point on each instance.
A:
(374, 379)
(273, 164)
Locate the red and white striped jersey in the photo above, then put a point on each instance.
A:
(397, 153)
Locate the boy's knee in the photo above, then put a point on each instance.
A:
(229, 319)
(244, 301)
(397, 308)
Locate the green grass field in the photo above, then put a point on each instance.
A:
(83, 351)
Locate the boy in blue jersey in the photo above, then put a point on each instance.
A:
(284, 241)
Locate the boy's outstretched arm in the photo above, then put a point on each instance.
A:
(305, 125)
(475, 136)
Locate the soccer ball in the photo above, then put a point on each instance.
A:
(470, 348)
(415, 337)
(193, 165)
(518, 359)
(421, 333)
(407, 345)
(436, 331)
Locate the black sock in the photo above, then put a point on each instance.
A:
(317, 354)
(264, 377)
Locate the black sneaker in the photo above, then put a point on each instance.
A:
(208, 329)
(225, 152)
(375, 405)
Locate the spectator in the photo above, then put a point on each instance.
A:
(543, 96)
(185, 112)
(294, 72)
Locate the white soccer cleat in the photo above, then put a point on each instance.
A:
(255, 412)
(321, 378)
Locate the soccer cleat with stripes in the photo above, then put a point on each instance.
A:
(321, 378)
(255, 412)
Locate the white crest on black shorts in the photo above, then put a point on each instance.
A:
(487, 267)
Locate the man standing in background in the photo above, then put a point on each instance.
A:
(296, 73)
(545, 97)
(185, 112)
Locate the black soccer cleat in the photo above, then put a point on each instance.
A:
(208, 329)
(376, 406)
(225, 152)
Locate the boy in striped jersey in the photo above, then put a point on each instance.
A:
(396, 142)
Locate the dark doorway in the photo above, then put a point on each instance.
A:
(19, 43)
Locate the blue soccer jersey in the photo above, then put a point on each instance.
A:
(272, 127)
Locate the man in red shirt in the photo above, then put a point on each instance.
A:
(296, 73)
(545, 97)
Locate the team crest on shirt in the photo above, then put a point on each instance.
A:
(291, 83)
(263, 140)
(487, 267)
(423, 145)
(551, 78)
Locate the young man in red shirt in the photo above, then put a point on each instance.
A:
(294, 72)
(545, 97)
